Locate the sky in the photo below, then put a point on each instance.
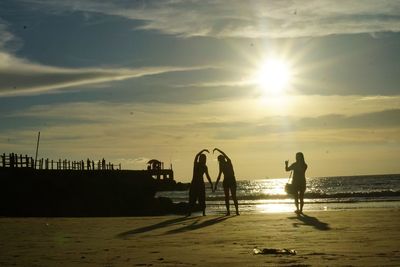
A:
(130, 81)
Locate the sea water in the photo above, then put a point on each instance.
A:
(323, 193)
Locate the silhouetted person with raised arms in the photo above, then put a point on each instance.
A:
(229, 183)
(197, 191)
(299, 180)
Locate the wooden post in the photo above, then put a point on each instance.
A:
(37, 148)
(12, 160)
(16, 161)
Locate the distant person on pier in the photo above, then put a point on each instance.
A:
(197, 191)
(299, 180)
(229, 183)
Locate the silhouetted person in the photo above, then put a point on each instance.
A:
(299, 179)
(229, 183)
(88, 164)
(197, 191)
(103, 164)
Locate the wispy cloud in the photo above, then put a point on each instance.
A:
(213, 119)
(19, 76)
(249, 19)
(5, 35)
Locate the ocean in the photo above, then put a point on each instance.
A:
(322, 193)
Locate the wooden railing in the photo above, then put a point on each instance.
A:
(13, 160)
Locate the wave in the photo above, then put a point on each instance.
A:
(345, 196)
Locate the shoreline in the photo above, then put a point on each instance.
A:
(359, 237)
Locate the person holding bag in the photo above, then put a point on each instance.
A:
(299, 180)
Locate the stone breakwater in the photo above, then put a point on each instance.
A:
(53, 193)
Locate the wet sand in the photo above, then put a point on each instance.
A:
(365, 237)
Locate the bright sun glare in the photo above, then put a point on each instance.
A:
(273, 76)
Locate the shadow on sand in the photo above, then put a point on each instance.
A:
(154, 226)
(196, 224)
(311, 221)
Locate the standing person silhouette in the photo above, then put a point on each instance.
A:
(299, 180)
(229, 183)
(197, 189)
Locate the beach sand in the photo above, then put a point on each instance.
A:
(365, 237)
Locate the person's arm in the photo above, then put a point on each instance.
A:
(288, 168)
(222, 153)
(209, 178)
(196, 158)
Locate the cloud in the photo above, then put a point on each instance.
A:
(373, 120)
(5, 35)
(19, 76)
(248, 19)
(213, 120)
(130, 133)
(333, 124)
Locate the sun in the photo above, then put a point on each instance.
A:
(273, 75)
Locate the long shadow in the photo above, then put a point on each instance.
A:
(311, 221)
(154, 226)
(196, 225)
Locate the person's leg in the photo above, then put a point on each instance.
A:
(226, 192)
(301, 196)
(296, 200)
(202, 200)
(233, 192)
(192, 200)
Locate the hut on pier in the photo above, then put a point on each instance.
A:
(157, 171)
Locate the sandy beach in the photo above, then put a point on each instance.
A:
(365, 237)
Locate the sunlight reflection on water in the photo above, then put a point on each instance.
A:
(322, 194)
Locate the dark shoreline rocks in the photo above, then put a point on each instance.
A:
(171, 185)
(26, 192)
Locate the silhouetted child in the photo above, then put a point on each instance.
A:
(229, 183)
(299, 180)
(197, 191)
